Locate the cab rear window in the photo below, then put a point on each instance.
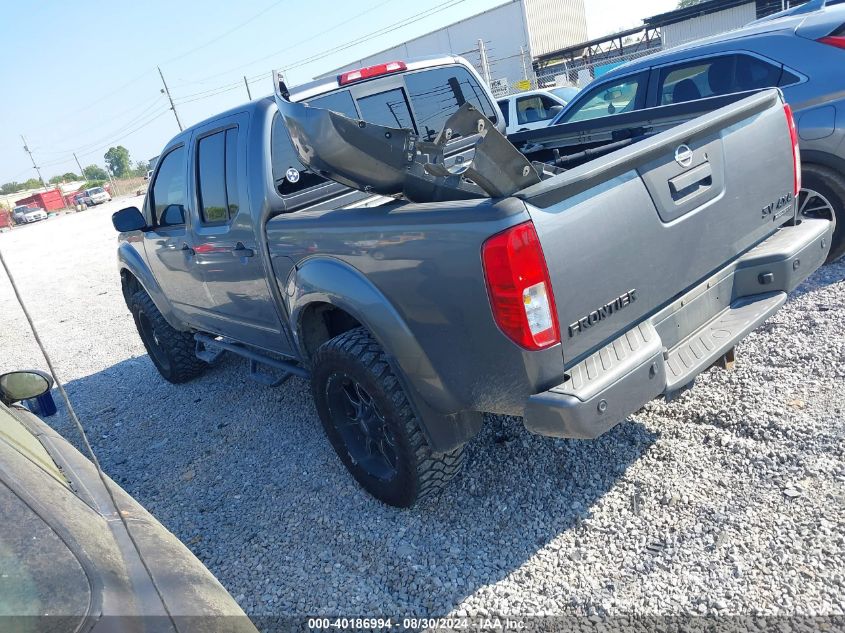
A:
(340, 102)
(437, 93)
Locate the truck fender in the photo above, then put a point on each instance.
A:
(329, 280)
(131, 261)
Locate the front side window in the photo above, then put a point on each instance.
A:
(608, 98)
(388, 108)
(535, 108)
(716, 76)
(169, 196)
(437, 93)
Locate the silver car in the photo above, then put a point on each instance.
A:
(803, 54)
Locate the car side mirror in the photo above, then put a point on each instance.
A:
(128, 219)
(23, 385)
(555, 109)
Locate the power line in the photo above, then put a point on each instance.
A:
(222, 35)
(148, 107)
(211, 92)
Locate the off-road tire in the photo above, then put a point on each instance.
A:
(420, 472)
(831, 185)
(172, 352)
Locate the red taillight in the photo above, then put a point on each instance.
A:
(370, 71)
(833, 40)
(796, 154)
(519, 287)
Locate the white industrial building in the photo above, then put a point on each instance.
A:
(501, 42)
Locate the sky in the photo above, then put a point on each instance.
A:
(81, 76)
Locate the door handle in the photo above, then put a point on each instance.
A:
(699, 175)
(242, 251)
(188, 250)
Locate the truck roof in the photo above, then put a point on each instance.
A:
(319, 87)
(323, 85)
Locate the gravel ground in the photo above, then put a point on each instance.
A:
(729, 499)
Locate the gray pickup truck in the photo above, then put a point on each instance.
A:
(377, 234)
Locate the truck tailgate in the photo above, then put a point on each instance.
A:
(626, 233)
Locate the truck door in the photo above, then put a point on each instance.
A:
(238, 299)
(168, 245)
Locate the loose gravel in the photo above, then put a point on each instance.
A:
(729, 499)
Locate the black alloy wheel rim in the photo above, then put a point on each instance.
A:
(812, 204)
(152, 340)
(359, 422)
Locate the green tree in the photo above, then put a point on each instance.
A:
(32, 183)
(67, 177)
(95, 172)
(141, 168)
(117, 158)
(10, 187)
(683, 4)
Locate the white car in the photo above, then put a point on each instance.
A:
(95, 195)
(533, 109)
(26, 215)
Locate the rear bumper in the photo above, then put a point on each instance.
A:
(667, 351)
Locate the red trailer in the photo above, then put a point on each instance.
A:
(48, 200)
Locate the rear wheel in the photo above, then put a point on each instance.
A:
(370, 424)
(173, 352)
(822, 195)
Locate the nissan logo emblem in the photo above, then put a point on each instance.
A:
(683, 155)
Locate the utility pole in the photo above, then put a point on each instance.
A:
(485, 66)
(169, 98)
(248, 93)
(112, 181)
(78, 164)
(524, 67)
(38, 171)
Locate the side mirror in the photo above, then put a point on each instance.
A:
(128, 219)
(23, 385)
(555, 109)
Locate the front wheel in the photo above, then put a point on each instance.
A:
(173, 352)
(822, 195)
(370, 424)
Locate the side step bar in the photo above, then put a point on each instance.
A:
(210, 349)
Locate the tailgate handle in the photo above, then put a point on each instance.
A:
(689, 182)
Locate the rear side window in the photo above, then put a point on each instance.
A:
(217, 176)
(340, 102)
(437, 93)
(389, 108)
(289, 175)
(504, 106)
(612, 97)
(721, 75)
(168, 192)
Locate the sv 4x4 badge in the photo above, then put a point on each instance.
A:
(603, 312)
(777, 208)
